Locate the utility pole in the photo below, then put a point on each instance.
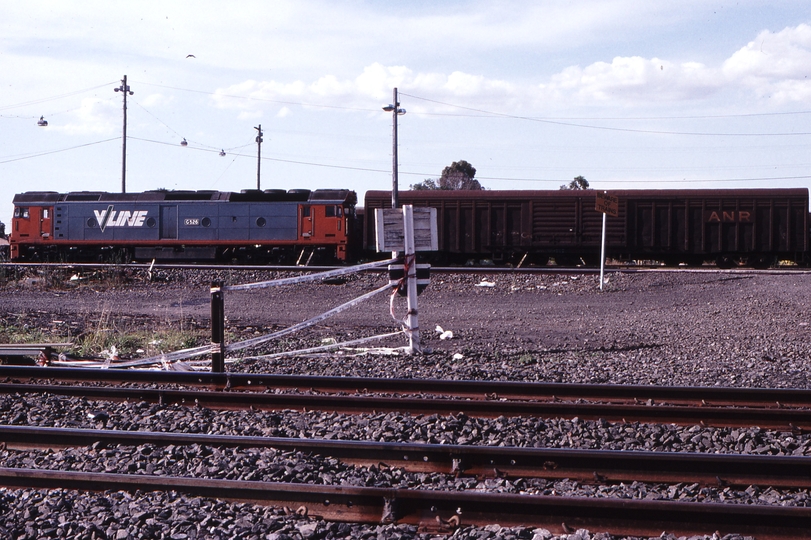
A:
(125, 89)
(396, 111)
(258, 155)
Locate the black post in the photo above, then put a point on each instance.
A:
(217, 328)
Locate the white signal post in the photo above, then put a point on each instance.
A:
(607, 204)
(412, 321)
(408, 230)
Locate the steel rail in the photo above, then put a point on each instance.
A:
(491, 390)
(446, 509)
(577, 270)
(781, 418)
(585, 466)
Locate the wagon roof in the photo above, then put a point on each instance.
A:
(336, 196)
(565, 193)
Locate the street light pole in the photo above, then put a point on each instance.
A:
(258, 156)
(396, 111)
(124, 89)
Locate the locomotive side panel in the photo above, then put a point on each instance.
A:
(195, 222)
(105, 223)
(276, 221)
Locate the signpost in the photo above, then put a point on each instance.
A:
(408, 230)
(608, 205)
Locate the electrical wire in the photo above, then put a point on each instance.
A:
(608, 128)
(53, 98)
(57, 151)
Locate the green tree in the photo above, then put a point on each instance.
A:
(428, 183)
(459, 175)
(578, 183)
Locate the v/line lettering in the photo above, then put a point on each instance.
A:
(123, 218)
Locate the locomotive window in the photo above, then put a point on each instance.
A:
(46, 213)
(21, 212)
(305, 211)
(261, 222)
(329, 211)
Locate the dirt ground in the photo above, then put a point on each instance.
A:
(730, 328)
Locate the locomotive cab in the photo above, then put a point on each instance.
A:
(325, 218)
(30, 225)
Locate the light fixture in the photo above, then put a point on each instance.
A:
(390, 108)
(42, 122)
(183, 142)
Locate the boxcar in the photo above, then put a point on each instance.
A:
(730, 226)
(254, 225)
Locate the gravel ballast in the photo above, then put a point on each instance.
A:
(686, 328)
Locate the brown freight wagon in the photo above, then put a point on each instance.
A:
(729, 226)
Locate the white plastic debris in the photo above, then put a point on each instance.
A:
(444, 334)
(458, 356)
(485, 283)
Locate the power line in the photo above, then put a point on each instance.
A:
(53, 98)
(485, 178)
(60, 150)
(649, 182)
(606, 128)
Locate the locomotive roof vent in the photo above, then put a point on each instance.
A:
(189, 195)
(334, 195)
(84, 195)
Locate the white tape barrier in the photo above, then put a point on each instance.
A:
(306, 324)
(168, 357)
(325, 347)
(310, 277)
(208, 349)
(253, 342)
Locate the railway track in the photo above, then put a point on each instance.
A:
(443, 510)
(446, 510)
(584, 466)
(468, 389)
(780, 418)
(576, 270)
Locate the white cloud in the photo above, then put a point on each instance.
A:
(633, 78)
(780, 70)
(775, 64)
(93, 117)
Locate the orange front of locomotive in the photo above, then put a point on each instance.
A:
(31, 230)
(324, 225)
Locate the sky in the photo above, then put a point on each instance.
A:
(630, 94)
